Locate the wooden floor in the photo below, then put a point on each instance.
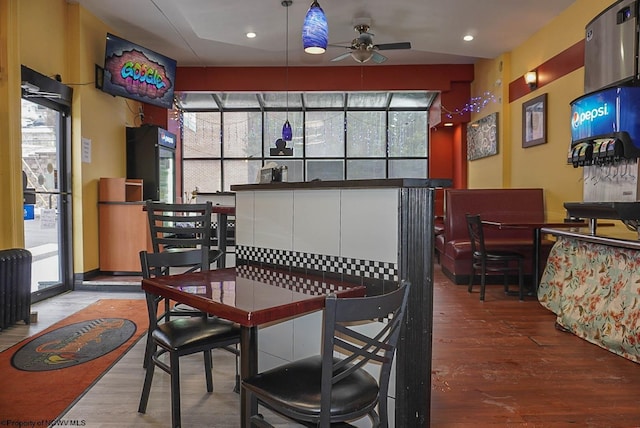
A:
(497, 363)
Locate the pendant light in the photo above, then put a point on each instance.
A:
(287, 132)
(315, 30)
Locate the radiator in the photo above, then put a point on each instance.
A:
(15, 286)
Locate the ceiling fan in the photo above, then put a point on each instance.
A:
(362, 48)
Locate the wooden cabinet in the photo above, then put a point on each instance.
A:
(120, 190)
(123, 228)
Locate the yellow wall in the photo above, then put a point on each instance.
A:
(42, 37)
(491, 80)
(55, 37)
(11, 224)
(544, 165)
(102, 119)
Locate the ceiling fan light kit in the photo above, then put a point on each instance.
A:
(315, 30)
(362, 48)
(361, 55)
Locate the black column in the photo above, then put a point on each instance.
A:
(413, 359)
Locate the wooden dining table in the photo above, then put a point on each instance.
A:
(535, 227)
(251, 296)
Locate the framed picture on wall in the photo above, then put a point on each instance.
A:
(482, 137)
(534, 121)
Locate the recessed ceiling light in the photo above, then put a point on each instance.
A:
(467, 38)
(251, 35)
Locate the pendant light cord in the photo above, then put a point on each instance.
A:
(287, 4)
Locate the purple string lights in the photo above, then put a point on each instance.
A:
(475, 105)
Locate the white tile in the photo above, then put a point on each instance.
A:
(273, 223)
(316, 221)
(307, 335)
(244, 218)
(267, 361)
(370, 224)
(277, 341)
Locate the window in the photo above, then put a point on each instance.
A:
(227, 137)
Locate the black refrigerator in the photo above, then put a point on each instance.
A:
(151, 157)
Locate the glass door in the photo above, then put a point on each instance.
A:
(166, 172)
(47, 214)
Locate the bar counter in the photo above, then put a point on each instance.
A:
(349, 184)
(591, 283)
(372, 232)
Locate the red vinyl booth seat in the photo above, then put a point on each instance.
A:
(514, 205)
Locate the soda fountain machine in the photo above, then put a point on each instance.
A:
(605, 122)
(605, 141)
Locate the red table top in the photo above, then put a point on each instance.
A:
(224, 209)
(532, 225)
(251, 295)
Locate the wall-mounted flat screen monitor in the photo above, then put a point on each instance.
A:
(135, 72)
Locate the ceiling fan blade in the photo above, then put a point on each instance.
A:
(378, 58)
(389, 46)
(341, 57)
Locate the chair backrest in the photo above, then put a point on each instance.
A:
(346, 346)
(181, 226)
(158, 264)
(476, 234)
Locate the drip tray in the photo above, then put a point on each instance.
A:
(605, 210)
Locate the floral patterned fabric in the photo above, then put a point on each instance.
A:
(594, 290)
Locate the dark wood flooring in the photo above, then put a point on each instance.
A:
(503, 363)
(497, 363)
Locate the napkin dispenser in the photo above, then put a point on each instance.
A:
(273, 174)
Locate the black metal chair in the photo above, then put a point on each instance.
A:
(334, 387)
(154, 265)
(180, 227)
(500, 261)
(183, 227)
(180, 336)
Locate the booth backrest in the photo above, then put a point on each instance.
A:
(517, 205)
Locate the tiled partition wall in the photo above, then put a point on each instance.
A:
(376, 236)
(343, 231)
(347, 232)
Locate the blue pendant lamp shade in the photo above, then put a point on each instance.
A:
(287, 132)
(315, 30)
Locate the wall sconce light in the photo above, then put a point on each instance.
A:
(531, 79)
(315, 30)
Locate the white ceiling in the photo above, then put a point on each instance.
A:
(212, 32)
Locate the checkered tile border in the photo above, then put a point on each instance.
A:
(288, 280)
(320, 262)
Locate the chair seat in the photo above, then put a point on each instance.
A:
(297, 386)
(182, 333)
(499, 256)
(494, 260)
